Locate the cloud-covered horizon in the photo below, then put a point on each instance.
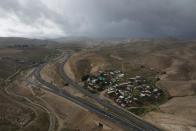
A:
(98, 18)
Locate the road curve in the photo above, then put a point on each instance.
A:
(81, 102)
(140, 123)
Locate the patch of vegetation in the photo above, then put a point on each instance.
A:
(85, 77)
(138, 111)
(66, 84)
(170, 97)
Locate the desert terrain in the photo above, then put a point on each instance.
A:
(33, 108)
(97, 65)
(175, 57)
(16, 58)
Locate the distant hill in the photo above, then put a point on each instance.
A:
(9, 41)
(72, 39)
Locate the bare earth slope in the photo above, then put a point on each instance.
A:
(69, 115)
(17, 55)
(175, 57)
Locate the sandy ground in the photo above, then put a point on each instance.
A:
(178, 88)
(170, 122)
(178, 114)
(172, 69)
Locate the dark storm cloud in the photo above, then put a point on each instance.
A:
(102, 18)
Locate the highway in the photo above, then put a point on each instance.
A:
(141, 125)
(81, 102)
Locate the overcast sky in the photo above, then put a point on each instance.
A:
(98, 18)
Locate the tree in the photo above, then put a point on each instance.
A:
(85, 77)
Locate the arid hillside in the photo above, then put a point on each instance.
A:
(22, 54)
(174, 58)
(17, 56)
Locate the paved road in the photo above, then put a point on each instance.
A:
(51, 88)
(140, 123)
